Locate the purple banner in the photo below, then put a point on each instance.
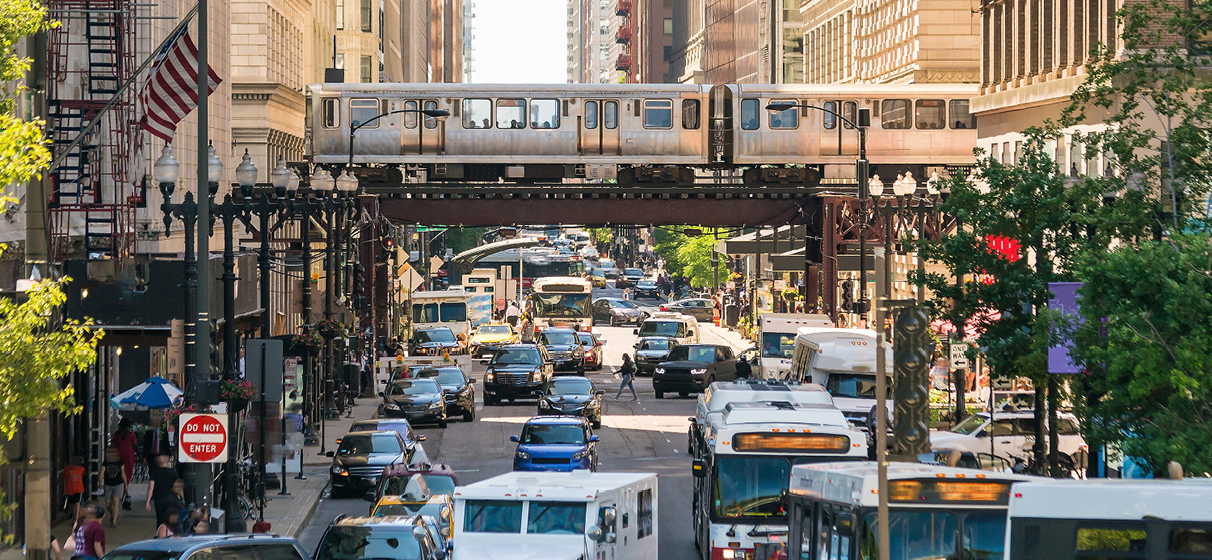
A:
(1064, 300)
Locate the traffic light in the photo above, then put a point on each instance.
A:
(911, 388)
(847, 295)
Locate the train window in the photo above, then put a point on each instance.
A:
(610, 114)
(850, 111)
(894, 114)
(749, 113)
(511, 113)
(477, 113)
(363, 110)
(431, 122)
(960, 117)
(591, 115)
(658, 113)
(690, 114)
(330, 112)
(410, 119)
(785, 119)
(544, 113)
(931, 114)
(830, 118)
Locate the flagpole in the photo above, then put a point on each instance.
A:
(200, 473)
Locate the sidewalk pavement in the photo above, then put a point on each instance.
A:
(287, 515)
(733, 338)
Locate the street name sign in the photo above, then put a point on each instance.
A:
(203, 438)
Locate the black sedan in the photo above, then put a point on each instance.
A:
(359, 461)
(617, 311)
(691, 368)
(650, 351)
(418, 400)
(699, 308)
(460, 395)
(629, 277)
(573, 396)
(647, 288)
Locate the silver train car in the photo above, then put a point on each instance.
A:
(637, 133)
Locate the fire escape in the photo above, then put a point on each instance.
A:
(93, 197)
(624, 63)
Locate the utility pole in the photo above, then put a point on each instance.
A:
(198, 473)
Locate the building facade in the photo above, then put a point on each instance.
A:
(595, 53)
(653, 40)
(446, 41)
(735, 41)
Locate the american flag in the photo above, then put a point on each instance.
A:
(171, 90)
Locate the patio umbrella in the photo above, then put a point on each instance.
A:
(156, 392)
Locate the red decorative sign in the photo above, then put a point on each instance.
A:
(203, 438)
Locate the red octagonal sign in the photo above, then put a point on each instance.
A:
(203, 438)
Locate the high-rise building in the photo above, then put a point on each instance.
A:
(468, 37)
(732, 41)
(595, 55)
(653, 40)
(446, 47)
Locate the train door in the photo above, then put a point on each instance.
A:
(719, 138)
(839, 138)
(599, 129)
(420, 135)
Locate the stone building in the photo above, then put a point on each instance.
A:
(735, 41)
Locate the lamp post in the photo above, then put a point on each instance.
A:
(439, 114)
(862, 169)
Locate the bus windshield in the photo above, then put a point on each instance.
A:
(561, 305)
(778, 345)
(851, 385)
(751, 486)
(921, 535)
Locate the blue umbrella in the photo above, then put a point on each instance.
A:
(156, 392)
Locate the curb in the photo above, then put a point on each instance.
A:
(311, 512)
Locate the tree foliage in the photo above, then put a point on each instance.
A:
(689, 257)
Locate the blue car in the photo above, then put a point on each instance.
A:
(556, 443)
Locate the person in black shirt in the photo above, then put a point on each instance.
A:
(114, 481)
(160, 488)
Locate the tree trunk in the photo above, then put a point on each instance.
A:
(1039, 449)
(1053, 438)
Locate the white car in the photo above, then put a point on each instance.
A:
(1013, 435)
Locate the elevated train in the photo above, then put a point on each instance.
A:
(637, 133)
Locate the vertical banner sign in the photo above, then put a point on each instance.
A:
(203, 438)
(1064, 300)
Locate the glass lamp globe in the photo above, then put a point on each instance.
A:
(246, 172)
(214, 165)
(319, 181)
(347, 183)
(293, 184)
(875, 186)
(280, 176)
(166, 167)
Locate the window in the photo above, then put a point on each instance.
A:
(829, 121)
(931, 114)
(366, 12)
(410, 119)
(340, 15)
(912, 535)
(366, 69)
(1189, 540)
(690, 114)
(544, 113)
(1093, 541)
(477, 113)
(894, 114)
(330, 112)
(666, 53)
(603, 52)
(563, 518)
(363, 110)
(610, 115)
(749, 113)
(604, 26)
(591, 115)
(785, 119)
(960, 117)
(340, 61)
(1066, 427)
(492, 516)
(668, 25)
(984, 535)
(658, 113)
(850, 111)
(431, 122)
(643, 514)
(511, 113)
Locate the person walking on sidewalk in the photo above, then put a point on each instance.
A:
(90, 535)
(114, 478)
(160, 488)
(627, 370)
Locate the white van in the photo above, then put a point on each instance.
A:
(682, 328)
(557, 516)
(778, 332)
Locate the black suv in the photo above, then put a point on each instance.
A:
(359, 461)
(564, 347)
(629, 277)
(647, 288)
(516, 371)
(435, 342)
(691, 368)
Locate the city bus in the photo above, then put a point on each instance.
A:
(742, 467)
(535, 264)
(562, 301)
(1137, 519)
(934, 511)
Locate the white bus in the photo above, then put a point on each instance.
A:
(934, 512)
(562, 301)
(1131, 519)
(742, 468)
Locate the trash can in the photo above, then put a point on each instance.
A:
(732, 314)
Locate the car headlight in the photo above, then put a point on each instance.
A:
(580, 454)
(698, 371)
(730, 554)
(659, 370)
(339, 470)
(435, 404)
(521, 455)
(391, 406)
(544, 404)
(488, 377)
(534, 377)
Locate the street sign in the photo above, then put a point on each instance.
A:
(434, 264)
(410, 280)
(203, 438)
(959, 360)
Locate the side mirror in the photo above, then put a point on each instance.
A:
(699, 468)
(338, 441)
(483, 362)
(514, 439)
(595, 534)
(599, 392)
(593, 439)
(635, 331)
(472, 380)
(382, 394)
(330, 454)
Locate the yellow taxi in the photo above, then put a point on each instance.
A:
(490, 336)
(597, 278)
(438, 506)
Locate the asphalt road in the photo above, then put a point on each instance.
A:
(644, 436)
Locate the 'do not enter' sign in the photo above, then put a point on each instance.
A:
(203, 438)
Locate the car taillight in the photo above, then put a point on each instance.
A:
(663, 308)
(588, 353)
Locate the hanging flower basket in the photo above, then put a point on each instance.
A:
(330, 329)
(171, 414)
(308, 343)
(236, 391)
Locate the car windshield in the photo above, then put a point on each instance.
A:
(692, 354)
(606, 263)
(493, 329)
(646, 284)
(436, 335)
(621, 304)
(661, 328)
(598, 273)
(353, 543)
(655, 344)
(633, 272)
(367, 444)
(547, 434)
(399, 426)
(561, 305)
(414, 387)
(570, 387)
(849, 385)
(586, 338)
(450, 376)
(556, 518)
(970, 425)
(439, 483)
(517, 356)
(558, 338)
(778, 345)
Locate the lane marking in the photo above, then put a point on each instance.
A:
(468, 470)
